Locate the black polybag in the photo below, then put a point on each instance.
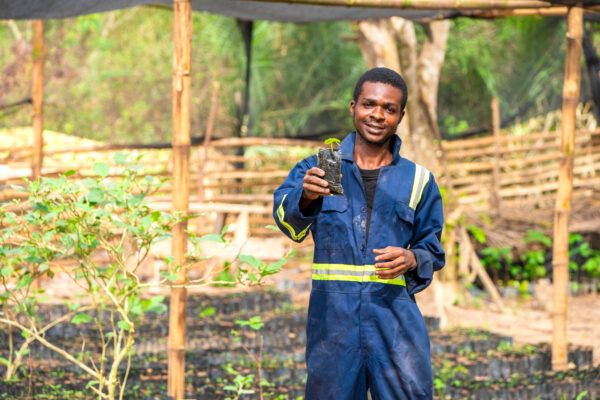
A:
(330, 161)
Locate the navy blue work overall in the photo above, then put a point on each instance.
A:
(365, 332)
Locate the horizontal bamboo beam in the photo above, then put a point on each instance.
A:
(424, 4)
(524, 12)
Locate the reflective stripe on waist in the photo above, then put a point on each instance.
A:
(351, 273)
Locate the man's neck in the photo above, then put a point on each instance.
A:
(371, 156)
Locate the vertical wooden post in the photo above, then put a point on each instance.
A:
(182, 43)
(495, 197)
(560, 253)
(37, 95)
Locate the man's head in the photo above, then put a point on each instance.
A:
(378, 105)
(383, 75)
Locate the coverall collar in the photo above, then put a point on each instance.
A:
(347, 147)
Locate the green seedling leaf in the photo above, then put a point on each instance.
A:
(81, 318)
(101, 169)
(6, 271)
(207, 312)
(120, 158)
(254, 323)
(332, 141)
(70, 172)
(4, 361)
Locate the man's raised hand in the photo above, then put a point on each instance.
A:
(313, 186)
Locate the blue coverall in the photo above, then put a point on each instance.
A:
(363, 331)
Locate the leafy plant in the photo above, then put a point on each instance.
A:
(79, 220)
(332, 142)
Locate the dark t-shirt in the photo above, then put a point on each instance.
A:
(369, 177)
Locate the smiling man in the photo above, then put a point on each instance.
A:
(375, 247)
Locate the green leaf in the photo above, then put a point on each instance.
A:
(254, 323)
(477, 232)
(6, 271)
(207, 312)
(123, 325)
(4, 361)
(251, 260)
(101, 169)
(272, 227)
(70, 172)
(332, 141)
(81, 318)
(95, 196)
(120, 158)
(91, 383)
(211, 237)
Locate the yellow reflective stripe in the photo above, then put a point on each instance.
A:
(344, 267)
(349, 278)
(420, 181)
(281, 216)
(362, 273)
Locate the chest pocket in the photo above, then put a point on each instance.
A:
(333, 223)
(404, 219)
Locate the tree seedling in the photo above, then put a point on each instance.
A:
(330, 161)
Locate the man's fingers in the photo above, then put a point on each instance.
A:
(316, 171)
(387, 265)
(392, 255)
(392, 272)
(316, 181)
(315, 189)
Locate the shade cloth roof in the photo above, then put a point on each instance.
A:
(243, 9)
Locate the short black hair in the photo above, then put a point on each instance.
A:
(383, 75)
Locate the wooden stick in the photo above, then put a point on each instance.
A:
(425, 4)
(560, 251)
(37, 95)
(495, 199)
(479, 270)
(182, 38)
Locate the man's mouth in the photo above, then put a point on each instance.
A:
(374, 127)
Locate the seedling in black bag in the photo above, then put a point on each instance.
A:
(330, 161)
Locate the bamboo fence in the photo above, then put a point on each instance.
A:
(514, 172)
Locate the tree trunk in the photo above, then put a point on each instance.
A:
(393, 43)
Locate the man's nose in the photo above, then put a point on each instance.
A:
(378, 113)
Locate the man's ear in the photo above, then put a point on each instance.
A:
(352, 104)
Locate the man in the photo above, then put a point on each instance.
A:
(375, 247)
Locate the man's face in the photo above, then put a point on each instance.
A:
(376, 112)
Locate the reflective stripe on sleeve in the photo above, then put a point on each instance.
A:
(419, 183)
(281, 217)
(351, 273)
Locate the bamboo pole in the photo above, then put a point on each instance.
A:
(560, 251)
(557, 11)
(426, 4)
(495, 198)
(37, 95)
(182, 38)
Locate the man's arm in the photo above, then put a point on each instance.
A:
(425, 243)
(298, 200)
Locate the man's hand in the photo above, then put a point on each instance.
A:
(313, 186)
(392, 262)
